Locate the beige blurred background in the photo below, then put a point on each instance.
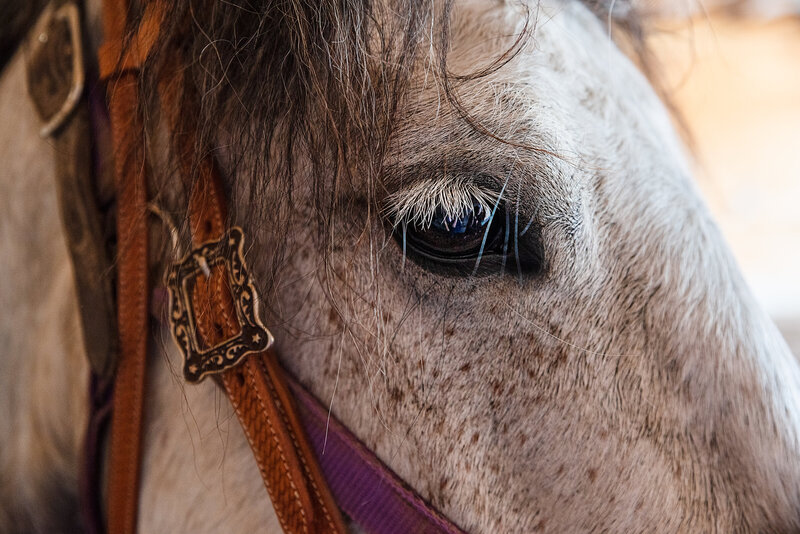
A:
(734, 74)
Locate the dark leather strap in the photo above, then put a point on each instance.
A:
(57, 91)
(56, 74)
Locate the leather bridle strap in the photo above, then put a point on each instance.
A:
(254, 382)
(256, 386)
(121, 77)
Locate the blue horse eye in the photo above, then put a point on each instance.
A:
(475, 219)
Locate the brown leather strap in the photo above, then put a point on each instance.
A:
(117, 55)
(127, 132)
(256, 387)
(266, 410)
(257, 390)
(132, 296)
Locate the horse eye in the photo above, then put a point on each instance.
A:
(455, 243)
(476, 242)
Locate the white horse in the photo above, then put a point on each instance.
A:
(602, 368)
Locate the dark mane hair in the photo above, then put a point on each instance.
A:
(281, 81)
(322, 77)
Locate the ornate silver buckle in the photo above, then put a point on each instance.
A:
(252, 337)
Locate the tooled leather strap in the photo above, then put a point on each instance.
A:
(120, 73)
(57, 79)
(257, 386)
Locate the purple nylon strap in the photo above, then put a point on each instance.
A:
(363, 486)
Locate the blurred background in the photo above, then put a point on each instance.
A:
(733, 72)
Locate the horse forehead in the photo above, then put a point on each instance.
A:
(482, 31)
(540, 74)
(568, 81)
(539, 62)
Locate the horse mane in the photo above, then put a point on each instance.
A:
(330, 76)
(313, 58)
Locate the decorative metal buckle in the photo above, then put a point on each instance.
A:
(252, 337)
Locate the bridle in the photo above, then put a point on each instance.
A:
(214, 307)
(213, 311)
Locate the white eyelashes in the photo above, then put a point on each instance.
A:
(454, 198)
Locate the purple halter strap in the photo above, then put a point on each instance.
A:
(363, 486)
